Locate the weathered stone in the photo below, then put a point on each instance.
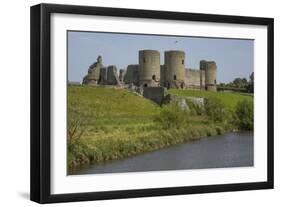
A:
(168, 99)
(103, 76)
(140, 90)
(210, 68)
(93, 72)
(155, 94)
(132, 87)
(193, 78)
(112, 76)
(149, 68)
(174, 64)
(132, 75)
(122, 73)
(196, 100)
(149, 72)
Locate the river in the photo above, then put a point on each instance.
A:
(228, 150)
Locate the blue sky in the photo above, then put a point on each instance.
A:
(234, 57)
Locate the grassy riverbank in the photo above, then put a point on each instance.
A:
(108, 123)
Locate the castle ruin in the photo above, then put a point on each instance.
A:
(150, 73)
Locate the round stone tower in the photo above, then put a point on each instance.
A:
(211, 76)
(149, 68)
(174, 68)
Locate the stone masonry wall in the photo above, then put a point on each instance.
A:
(155, 94)
(192, 78)
(132, 75)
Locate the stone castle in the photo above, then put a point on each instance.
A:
(150, 73)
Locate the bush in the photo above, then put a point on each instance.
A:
(215, 109)
(244, 113)
(220, 130)
(195, 109)
(76, 148)
(75, 128)
(172, 116)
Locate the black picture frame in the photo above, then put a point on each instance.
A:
(41, 99)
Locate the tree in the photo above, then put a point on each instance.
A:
(251, 83)
(237, 82)
(244, 112)
(252, 77)
(240, 82)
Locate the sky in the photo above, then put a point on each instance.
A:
(234, 57)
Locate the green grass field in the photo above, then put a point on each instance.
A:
(230, 99)
(109, 123)
(107, 111)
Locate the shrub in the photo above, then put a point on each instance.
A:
(220, 130)
(172, 116)
(195, 109)
(215, 109)
(244, 113)
(211, 131)
(76, 147)
(75, 128)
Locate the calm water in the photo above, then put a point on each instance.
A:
(229, 150)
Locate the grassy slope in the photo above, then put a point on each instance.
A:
(119, 123)
(230, 99)
(116, 123)
(107, 111)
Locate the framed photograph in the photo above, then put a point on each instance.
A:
(133, 103)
